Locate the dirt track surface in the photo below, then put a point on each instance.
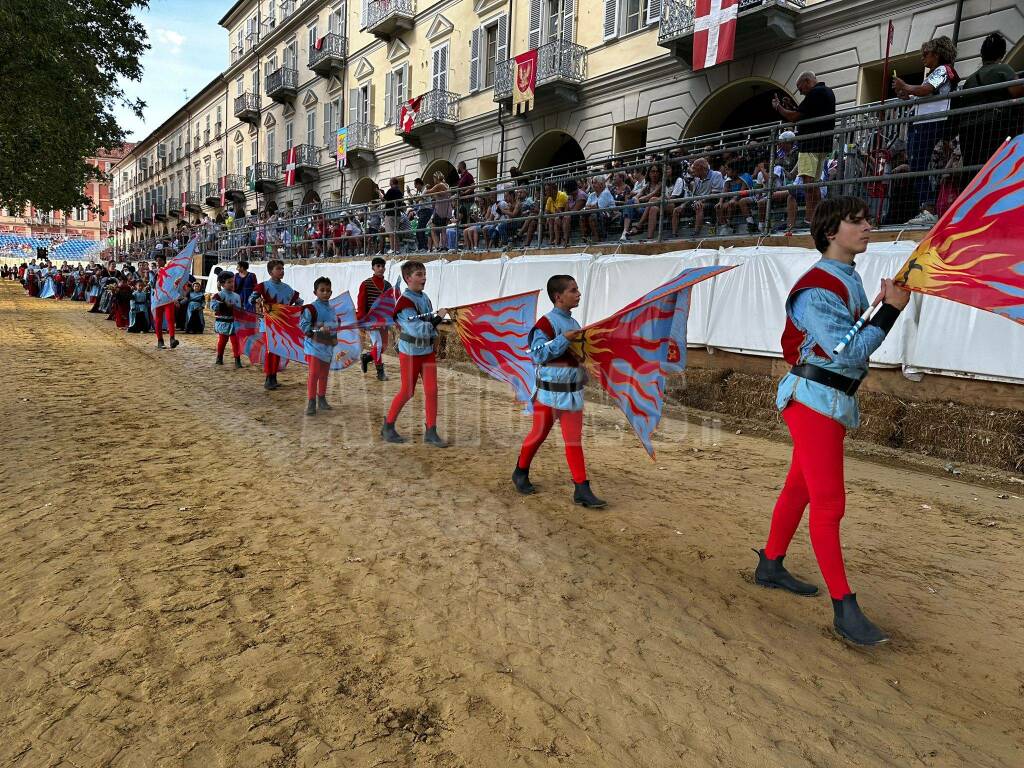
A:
(193, 574)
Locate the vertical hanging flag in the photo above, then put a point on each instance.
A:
(714, 32)
(524, 75)
(407, 115)
(250, 178)
(342, 147)
(183, 201)
(223, 183)
(289, 167)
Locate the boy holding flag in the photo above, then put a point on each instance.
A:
(369, 291)
(319, 325)
(265, 295)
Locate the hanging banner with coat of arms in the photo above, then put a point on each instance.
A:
(342, 147)
(525, 82)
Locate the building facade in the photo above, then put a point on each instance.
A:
(79, 223)
(613, 76)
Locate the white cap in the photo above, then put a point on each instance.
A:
(787, 136)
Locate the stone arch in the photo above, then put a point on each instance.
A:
(311, 196)
(433, 167)
(364, 191)
(743, 102)
(551, 148)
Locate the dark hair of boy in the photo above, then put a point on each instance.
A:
(557, 284)
(224, 276)
(993, 48)
(321, 281)
(411, 267)
(274, 263)
(377, 260)
(243, 264)
(830, 213)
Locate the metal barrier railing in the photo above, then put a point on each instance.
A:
(746, 181)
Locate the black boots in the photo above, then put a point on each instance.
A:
(380, 373)
(853, 625)
(390, 434)
(220, 360)
(772, 574)
(311, 407)
(160, 344)
(321, 403)
(364, 361)
(238, 362)
(521, 480)
(586, 498)
(271, 382)
(430, 437)
(174, 342)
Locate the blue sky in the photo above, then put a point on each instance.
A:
(187, 49)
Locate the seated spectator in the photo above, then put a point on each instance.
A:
(599, 207)
(471, 235)
(576, 198)
(555, 203)
(706, 182)
(527, 211)
(649, 200)
(737, 191)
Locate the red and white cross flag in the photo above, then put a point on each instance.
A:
(289, 167)
(714, 32)
(407, 114)
(223, 190)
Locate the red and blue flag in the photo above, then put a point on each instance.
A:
(171, 277)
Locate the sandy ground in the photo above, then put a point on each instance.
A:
(193, 574)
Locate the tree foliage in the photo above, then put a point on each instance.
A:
(60, 64)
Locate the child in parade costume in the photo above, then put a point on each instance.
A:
(138, 313)
(818, 403)
(319, 325)
(558, 392)
(195, 321)
(369, 291)
(121, 304)
(224, 303)
(264, 295)
(417, 324)
(163, 315)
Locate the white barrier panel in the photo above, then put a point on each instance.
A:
(435, 278)
(531, 273)
(466, 282)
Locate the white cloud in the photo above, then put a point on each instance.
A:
(169, 38)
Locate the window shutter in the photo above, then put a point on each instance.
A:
(353, 106)
(364, 14)
(653, 11)
(474, 61)
(568, 21)
(389, 88)
(371, 109)
(502, 49)
(534, 39)
(443, 81)
(407, 80)
(328, 120)
(611, 18)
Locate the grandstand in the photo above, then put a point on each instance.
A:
(58, 248)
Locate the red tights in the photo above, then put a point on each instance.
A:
(222, 342)
(316, 379)
(377, 349)
(271, 364)
(572, 435)
(815, 476)
(413, 367)
(159, 314)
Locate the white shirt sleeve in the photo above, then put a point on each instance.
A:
(937, 78)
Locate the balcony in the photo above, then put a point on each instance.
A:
(760, 25)
(561, 70)
(147, 216)
(329, 58)
(174, 206)
(434, 123)
(247, 108)
(160, 210)
(389, 18)
(267, 177)
(307, 163)
(282, 85)
(361, 144)
(234, 185)
(193, 203)
(210, 194)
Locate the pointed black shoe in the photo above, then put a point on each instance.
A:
(160, 344)
(381, 376)
(853, 625)
(521, 480)
(174, 343)
(390, 434)
(311, 407)
(430, 437)
(220, 360)
(238, 362)
(586, 498)
(268, 383)
(772, 574)
(321, 403)
(364, 361)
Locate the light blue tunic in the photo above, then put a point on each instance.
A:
(230, 299)
(423, 332)
(326, 316)
(544, 350)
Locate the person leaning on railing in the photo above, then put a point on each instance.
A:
(982, 132)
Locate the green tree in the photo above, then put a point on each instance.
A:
(60, 63)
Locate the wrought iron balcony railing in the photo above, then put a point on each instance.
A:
(282, 81)
(386, 15)
(305, 155)
(557, 61)
(247, 104)
(333, 49)
(677, 16)
(436, 106)
(362, 136)
(267, 172)
(209, 193)
(234, 182)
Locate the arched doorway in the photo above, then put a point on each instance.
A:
(312, 196)
(438, 165)
(550, 149)
(736, 105)
(364, 191)
(271, 207)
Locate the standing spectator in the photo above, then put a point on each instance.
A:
(424, 210)
(815, 114)
(465, 185)
(392, 202)
(939, 56)
(440, 193)
(983, 131)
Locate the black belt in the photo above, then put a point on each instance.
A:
(816, 373)
(224, 318)
(416, 341)
(558, 386)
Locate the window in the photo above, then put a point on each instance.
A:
(439, 68)
(254, 152)
(206, 172)
(220, 166)
(623, 17)
(490, 54)
(632, 20)
(239, 166)
(311, 126)
(206, 132)
(219, 123)
(289, 139)
(271, 11)
(396, 91)
(271, 145)
(239, 89)
(312, 34)
(255, 79)
(332, 120)
(238, 40)
(291, 54)
(551, 18)
(336, 21)
(363, 107)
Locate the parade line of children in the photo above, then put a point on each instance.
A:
(816, 398)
